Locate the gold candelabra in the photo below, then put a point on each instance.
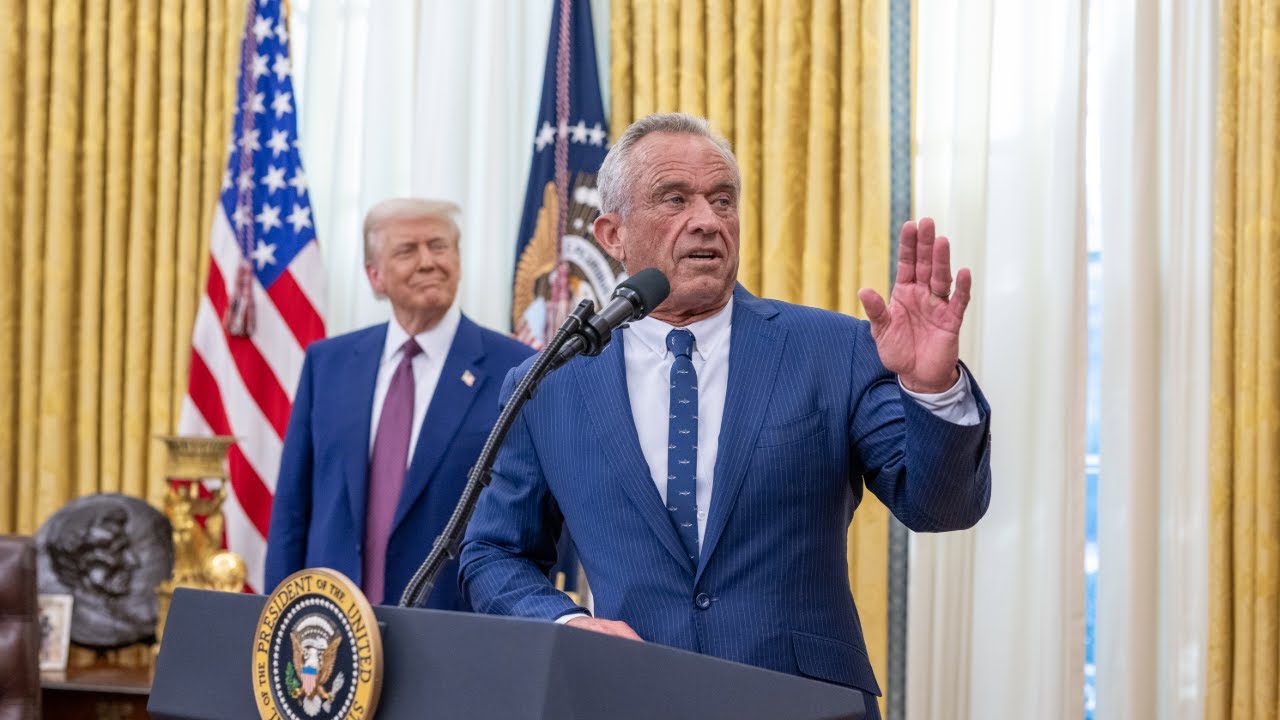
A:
(196, 476)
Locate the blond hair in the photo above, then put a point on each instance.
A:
(406, 209)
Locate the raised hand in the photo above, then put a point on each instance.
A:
(918, 333)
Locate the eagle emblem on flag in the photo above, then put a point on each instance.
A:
(590, 274)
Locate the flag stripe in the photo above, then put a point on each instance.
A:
(245, 482)
(239, 531)
(308, 272)
(248, 487)
(249, 540)
(303, 320)
(255, 372)
(273, 337)
(191, 421)
(204, 396)
(253, 433)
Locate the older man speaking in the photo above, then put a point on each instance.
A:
(709, 461)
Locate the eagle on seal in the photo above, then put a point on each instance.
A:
(315, 649)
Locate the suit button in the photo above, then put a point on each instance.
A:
(702, 601)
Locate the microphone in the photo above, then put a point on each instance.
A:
(633, 299)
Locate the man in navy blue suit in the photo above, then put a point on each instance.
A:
(709, 461)
(388, 420)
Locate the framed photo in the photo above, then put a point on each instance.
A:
(55, 631)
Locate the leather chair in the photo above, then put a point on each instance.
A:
(19, 629)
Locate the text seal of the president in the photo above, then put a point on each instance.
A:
(317, 653)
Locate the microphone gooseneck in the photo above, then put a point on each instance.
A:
(634, 298)
(583, 332)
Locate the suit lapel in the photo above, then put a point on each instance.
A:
(755, 351)
(363, 364)
(602, 384)
(449, 406)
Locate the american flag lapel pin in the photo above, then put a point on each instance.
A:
(468, 379)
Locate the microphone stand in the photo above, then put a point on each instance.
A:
(448, 545)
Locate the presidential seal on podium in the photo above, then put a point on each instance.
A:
(317, 653)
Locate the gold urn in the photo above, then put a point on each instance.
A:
(196, 477)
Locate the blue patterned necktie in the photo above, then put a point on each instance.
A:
(682, 442)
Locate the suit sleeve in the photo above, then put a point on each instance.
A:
(932, 474)
(291, 506)
(510, 543)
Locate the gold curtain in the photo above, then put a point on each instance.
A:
(113, 126)
(801, 89)
(1243, 674)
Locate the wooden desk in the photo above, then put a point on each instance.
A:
(96, 693)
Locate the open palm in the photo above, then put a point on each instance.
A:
(918, 333)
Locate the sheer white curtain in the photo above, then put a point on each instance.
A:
(996, 616)
(998, 168)
(1155, 101)
(435, 98)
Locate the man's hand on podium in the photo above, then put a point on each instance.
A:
(606, 627)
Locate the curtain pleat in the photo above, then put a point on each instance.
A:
(114, 234)
(800, 88)
(140, 247)
(35, 120)
(747, 121)
(113, 119)
(193, 210)
(12, 28)
(161, 381)
(91, 196)
(55, 439)
(692, 67)
(1243, 672)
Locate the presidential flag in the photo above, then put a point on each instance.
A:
(558, 261)
(264, 298)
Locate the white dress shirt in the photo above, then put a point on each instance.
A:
(427, 365)
(649, 387)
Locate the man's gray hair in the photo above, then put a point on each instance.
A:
(406, 209)
(617, 175)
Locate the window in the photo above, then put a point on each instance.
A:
(1093, 378)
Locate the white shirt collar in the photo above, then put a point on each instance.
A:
(434, 342)
(709, 334)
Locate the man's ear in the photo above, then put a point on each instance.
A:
(608, 232)
(375, 279)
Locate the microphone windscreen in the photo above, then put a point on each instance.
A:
(651, 286)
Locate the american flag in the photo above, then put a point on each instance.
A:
(263, 303)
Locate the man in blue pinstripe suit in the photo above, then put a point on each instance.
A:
(709, 461)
